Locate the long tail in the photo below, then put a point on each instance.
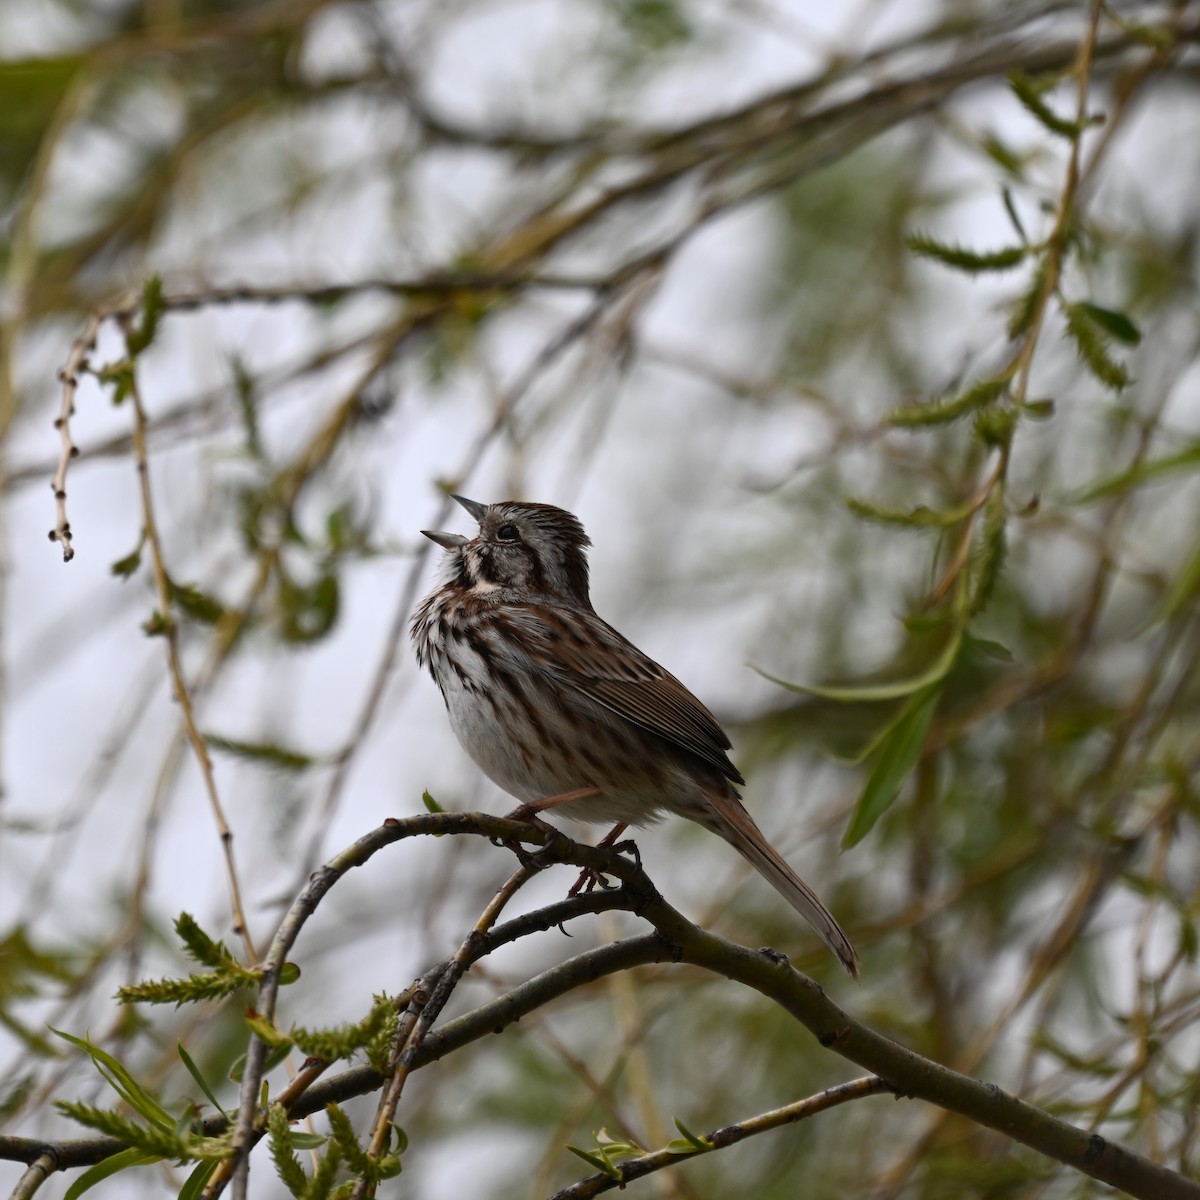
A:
(737, 827)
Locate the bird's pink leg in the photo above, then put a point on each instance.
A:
(588, 878)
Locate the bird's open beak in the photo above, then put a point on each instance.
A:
(451, 541)
(477, 510)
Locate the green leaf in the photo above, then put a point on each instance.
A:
(962, 259)
(1140, 473)
(1010, 205)
(197, 1181)
(694, 1141)
(1115, 323)
(194, 1072)
(309, 612)
(271, 754)
(109, 1167)
(199, 605)
(120, 375)
(1183, 590)
(122, 1082)
(123, 568)
(897, 756)
(872, 692)
(598, 1161)
(430, 803)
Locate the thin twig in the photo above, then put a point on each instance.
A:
(162, 582)
(627, 1170)
(69, 373)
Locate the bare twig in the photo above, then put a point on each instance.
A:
(170, 634)
(69, 373)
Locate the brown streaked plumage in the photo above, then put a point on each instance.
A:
(549, 699)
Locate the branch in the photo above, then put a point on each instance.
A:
(675, 939)
(627, 1171)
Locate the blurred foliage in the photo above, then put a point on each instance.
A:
(929, 446)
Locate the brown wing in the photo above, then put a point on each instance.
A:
(593, 659)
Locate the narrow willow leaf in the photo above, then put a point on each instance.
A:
(107, 1168)
(271, 754)
(1010, 207)
(897, 756)
(122, 1082)
(194, 1072)
(598, 1161)
(1135, 476)
(197, 1181)
(695, 1140)
(873, 692)
(962, 259)
(1183, 590)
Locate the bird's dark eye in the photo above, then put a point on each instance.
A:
(507, 533)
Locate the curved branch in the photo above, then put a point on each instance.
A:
(675, 939)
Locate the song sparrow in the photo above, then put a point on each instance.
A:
(548, 699)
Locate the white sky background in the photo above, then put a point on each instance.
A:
(76, 658)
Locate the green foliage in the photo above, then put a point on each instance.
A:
(269, 754)
(606, 1154)
(114, 1165)
(896, 754)
(227, 976)
(1030, 92)
(283, 1154)
(1092, 338)
(126, 567)
(942, 412)
(342, 1041)
(1025, 310)
(973, 262)
(195, 603)
(308, 612)
(157, 1135)
(152, 1140)
(141, 335)
(27, 972)
(989, 551)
